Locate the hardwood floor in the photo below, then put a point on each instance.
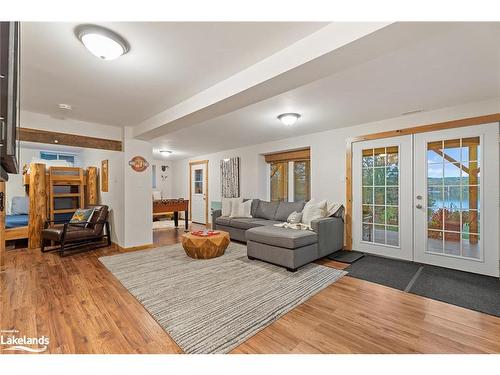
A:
(83, 309)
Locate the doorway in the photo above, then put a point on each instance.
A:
(430, 197)
(198, 191)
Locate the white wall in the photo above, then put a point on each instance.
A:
(328, 151)
(41, 121)
(114, 198)
(138, 215)
(130, 193)
(163, 179)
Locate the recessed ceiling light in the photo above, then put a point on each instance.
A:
(288, 119)
(412, 112)
(102, 42)
(166, 152)
(65, 106)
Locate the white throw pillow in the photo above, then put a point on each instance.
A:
(227, 204)
(332, 208)
(243, 209)
(294, 218)
(313, 210)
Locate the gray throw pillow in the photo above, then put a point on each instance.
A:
(255, 205)
(266, 210)
(20, 206)
(286, 208)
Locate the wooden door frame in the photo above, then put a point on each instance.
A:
(479, 120)
(191, 164)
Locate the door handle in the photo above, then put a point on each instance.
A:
(419, 206)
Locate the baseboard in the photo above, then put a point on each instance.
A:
(133, 248)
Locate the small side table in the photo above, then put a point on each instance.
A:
(198, 247)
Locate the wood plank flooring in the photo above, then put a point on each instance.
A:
(84, 309)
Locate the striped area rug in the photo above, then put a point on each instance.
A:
(212, 306)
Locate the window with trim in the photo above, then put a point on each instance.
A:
(290, 176)
(47, 155)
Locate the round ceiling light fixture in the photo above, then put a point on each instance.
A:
(288, 119)
(165, 152)
(102, 42)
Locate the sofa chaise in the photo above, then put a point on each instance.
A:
(290, 248)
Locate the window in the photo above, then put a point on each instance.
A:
(198, 181)
(46, 155)
(154, 175)
(380, 196)
(279, 181)
(301, 180)
(290, 175)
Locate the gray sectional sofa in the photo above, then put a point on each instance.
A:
(290, 248)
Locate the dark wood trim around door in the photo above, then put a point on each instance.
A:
(479, 120)
(66, 139)
(191, 163)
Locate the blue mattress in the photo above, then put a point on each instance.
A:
(15, 221)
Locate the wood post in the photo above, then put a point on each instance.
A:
(38, 204)
(2, 223)
(473, 180)
(92, 185)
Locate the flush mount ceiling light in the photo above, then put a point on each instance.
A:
(288, 119)
(66, 107)
(165, 152)
(102, 42)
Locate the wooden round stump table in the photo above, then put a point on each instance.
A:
(198, 247)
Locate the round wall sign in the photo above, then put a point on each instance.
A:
(138, 163)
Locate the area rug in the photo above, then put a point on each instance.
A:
(163, 224)
(214, 305)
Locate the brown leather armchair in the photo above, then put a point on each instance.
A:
(78, 235)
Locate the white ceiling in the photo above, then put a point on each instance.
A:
(168, 62)
(458, 66)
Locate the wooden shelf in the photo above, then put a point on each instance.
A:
(66, 195)
(65, 211)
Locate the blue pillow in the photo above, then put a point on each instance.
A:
(20, 206)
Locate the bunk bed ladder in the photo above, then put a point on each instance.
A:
(65, 176)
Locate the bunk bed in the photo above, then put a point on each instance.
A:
(54, 193)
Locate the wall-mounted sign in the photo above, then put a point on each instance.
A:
(104, 176)
(138, 164)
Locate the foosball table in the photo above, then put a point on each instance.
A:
(163, 207)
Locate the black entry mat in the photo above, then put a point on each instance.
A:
(346, 256)
(469, 290)
(396, 274)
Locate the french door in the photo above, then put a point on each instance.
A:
(430, 197)
(382, 191)
(456, 199)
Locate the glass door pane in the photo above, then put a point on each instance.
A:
(453, 201)
(380, 195)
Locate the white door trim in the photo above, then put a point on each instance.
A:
(205, 188)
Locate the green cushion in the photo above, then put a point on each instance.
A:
(82, 215)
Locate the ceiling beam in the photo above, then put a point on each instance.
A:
(48, 137)
(330, 50)
(226, 95)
